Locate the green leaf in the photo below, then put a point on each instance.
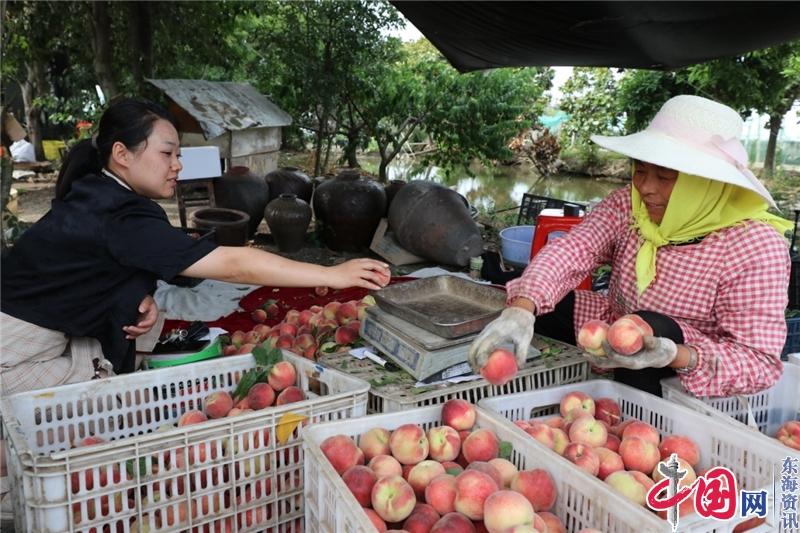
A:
(505, 450)
(224, 340)
(266, 355)
(130, 467)
(249, 379)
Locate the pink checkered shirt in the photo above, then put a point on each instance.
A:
(728, 292)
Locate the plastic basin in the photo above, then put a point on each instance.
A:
(515, 244)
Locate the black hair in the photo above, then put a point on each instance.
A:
(129, 121)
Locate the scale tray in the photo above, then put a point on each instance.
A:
(448, 306)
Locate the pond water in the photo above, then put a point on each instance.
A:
(501, 187)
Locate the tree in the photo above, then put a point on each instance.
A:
(588, 99)
(641, 93)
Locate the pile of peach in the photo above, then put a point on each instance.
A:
(280, 389)
(307, 333)
(450, 479)
(625, 336)
(590, 433)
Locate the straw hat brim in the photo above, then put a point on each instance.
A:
(662, 150)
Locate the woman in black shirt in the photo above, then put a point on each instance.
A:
(88, 267)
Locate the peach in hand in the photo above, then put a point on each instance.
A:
(591, 337)
(500, 367)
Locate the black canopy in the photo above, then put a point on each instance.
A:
(654, 35)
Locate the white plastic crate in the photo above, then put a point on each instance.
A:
(794, 358)
(331, 507)
(231, 474)
(741, 451)
(568, 366)
(766, 410)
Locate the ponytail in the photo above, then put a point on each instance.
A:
(128, 121)
(82, 159)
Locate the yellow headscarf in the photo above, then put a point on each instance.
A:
(696, 207)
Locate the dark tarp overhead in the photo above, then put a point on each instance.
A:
(654, 35)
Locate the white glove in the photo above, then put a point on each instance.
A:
(514, 326)
(657, 352)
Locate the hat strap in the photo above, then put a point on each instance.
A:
(730, 150)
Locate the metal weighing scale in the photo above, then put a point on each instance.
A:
(423, 354)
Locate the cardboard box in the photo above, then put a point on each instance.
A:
(385, 245)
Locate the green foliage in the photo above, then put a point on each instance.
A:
(641, 93)
(588, 99)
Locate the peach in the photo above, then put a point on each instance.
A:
(421, 520)
(441, 493)
(789, 434)
(282, 341)
(610, 462)
(230, 349)
(282, 375)
(408, 444)
(589, 530)
(253, 336)
(576, 400)
(259, 316)
(91, 440)
(260, 396)
(612, 443)
(643, 430)
(500, 367)
(556, 422)
(541, 432)
(608, 411)
(237, 337)
(686, 480)
(385, 466)
(641, 323)
(218, 404)
(586, 430)
(246, 348)
(290, 395)
(639, 454)
(292, 316)
(591, 337)
(374, 442)
(345, 335)
(584, 457)
(481, 445)
(644, 479)
(342, 452)
(538, 486)
(453, 523)
(506, 468)
(360, 479)
(487, 468)
(329, 311)
(472, 489)
(393, 498)
(560, 441)
(625, 336)
(458, 414)
(552, 522)
(684, 447)
(192, 417)
(304, 340)
(421, 475)
(346, 313)
(506, 509)
(376, 520)
(628, 486)
(445, 443)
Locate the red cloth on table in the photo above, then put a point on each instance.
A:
(287, 298)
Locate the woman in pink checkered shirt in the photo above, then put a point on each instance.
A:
(693, 251)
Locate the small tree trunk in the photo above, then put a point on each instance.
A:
(35, 86)
(769, 158)
(101, 46)
(351, 148)
(141, 42)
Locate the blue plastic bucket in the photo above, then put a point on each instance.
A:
(515, 244)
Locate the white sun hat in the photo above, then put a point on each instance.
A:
(693, 135)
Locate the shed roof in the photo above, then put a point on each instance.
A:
(222, 106)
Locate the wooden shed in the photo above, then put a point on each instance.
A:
(243, 123)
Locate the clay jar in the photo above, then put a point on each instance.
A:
(242, 190)
(350, 206)
(289, 180)
(391, 189)
(288, 217)
(434, 222)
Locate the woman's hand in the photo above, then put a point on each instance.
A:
(148, 313)
(366, 273)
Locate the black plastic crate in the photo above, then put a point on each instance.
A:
(533, 204)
